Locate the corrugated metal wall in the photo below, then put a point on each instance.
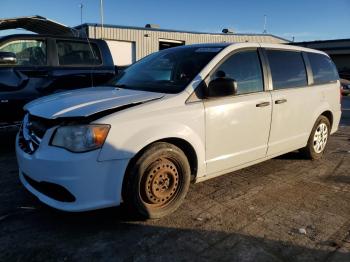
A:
(147, 41)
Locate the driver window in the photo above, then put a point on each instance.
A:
(28, 52)
(245, 69)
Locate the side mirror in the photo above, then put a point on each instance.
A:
(222, 86)
(8, 58)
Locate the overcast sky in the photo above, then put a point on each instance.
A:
(303, 19)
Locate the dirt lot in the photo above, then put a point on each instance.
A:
(286, 209)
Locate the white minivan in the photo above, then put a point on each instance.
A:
(183, 114)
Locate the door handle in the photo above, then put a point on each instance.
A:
(280, 101)
(263, 104)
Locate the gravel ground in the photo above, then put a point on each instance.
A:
(285, 209)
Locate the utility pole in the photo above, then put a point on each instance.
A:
(265, 24)
(81, 13)
(101, 12)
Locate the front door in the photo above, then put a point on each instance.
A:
(238, 126)
(20, 79)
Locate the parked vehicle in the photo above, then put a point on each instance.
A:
(183, 114)
(344, 74)
(32, 66)
(345, 87)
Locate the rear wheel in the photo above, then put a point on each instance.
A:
(158, 181)
(318, 139)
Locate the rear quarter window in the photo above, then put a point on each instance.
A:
(287, 69)
(323, 69)
(75, 53)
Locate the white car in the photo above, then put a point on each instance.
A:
(183, 114)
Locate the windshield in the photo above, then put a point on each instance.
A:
(167, 71)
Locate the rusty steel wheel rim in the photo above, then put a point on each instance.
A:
(161, 183)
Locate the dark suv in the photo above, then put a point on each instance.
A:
(36, 65)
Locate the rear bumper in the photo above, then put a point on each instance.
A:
(76, 182)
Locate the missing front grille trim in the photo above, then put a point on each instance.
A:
(54, 191)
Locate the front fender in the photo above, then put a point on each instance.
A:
(130, 133)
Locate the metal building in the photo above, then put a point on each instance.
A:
(129, 44)
(338, 50)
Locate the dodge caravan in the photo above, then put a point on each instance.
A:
(181, 115)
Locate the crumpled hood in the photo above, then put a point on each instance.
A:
(86, 102)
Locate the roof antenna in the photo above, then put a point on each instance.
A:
(81, 13)
(265, 24)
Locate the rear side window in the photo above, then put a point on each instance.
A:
(74, 53)
(244, 67)
(323, 69)
(287, 69)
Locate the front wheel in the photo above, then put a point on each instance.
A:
(158, 181)
(318, 139)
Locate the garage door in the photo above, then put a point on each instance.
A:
(123, 52)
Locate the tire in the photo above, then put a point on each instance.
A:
(318, 139)
(157, 181)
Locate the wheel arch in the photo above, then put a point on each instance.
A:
(181, 143)
(184, 145)
(323, 110)
(329, 116)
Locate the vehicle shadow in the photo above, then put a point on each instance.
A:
(295, 155)
(106, 235)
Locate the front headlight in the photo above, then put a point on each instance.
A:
(80, 138)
